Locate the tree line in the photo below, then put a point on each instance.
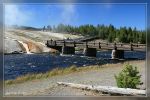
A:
(110, 33)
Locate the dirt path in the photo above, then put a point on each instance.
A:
(103, 77)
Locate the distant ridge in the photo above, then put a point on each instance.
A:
(23, 27)
(28, 28)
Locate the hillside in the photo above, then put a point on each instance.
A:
(31, 41)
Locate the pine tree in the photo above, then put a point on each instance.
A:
(129, 77)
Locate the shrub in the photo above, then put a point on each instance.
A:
(128, 77)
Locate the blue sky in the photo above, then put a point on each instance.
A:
(129, 15)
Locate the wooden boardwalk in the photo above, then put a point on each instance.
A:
(99, 45)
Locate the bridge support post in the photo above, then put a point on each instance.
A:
(68, 50)
(117, 54)
(91, 52)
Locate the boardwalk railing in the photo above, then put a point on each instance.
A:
(99, 45)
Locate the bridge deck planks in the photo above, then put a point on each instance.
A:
(103, 46)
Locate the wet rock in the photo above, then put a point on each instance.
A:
(34, 48)
(12, 46)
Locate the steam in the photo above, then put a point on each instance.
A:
(68, 13)
(15, 16)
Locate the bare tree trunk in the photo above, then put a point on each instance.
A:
(107, 89)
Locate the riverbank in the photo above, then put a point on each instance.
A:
(93, 75)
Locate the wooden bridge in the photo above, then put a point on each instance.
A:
(90, 48)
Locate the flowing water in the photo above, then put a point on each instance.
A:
(20, 64)
(25, 46)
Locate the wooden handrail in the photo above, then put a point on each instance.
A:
(99, 45)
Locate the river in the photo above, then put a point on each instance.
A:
(21, 64)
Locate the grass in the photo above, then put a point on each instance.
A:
(54, 72)
(61, 71)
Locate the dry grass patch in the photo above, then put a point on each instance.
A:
(54, 72)
(62, 71)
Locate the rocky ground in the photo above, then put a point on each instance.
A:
(35, 40)
(49, 87)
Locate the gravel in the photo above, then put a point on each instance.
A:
(49, 87)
